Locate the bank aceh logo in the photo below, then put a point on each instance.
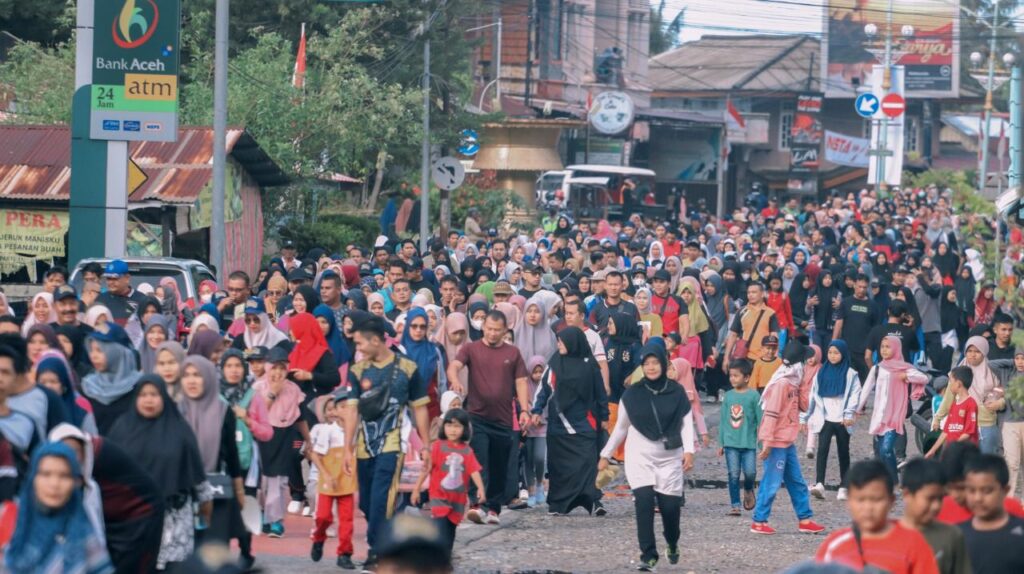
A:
(131, 17)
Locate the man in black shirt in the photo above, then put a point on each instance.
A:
(122, 300)
(1002, 337)
(855, 318)
(531, 280)
(898, 325)
(995, 539)
(612, 302)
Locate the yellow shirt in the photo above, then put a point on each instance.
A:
(763, 371)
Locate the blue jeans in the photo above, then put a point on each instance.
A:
(737, 459)
(782, 464)
(375, 475)
(885, 449)
(990, 439)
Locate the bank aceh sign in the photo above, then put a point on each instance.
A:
(134, 92)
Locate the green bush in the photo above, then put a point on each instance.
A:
(331, 236)
(367, 228)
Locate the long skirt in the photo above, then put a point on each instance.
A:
(572, 471)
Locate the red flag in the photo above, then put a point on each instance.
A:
(299, 75)
(733, 116)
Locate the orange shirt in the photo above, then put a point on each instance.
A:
(900, 551)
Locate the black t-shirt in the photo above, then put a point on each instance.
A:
(858, 318)
(996, 551)
(906, 335)
(529, 293)
(122, 308)
(601, 312)
(995, 352)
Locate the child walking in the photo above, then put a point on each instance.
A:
(778, 432)
(334, 486)
(962, 422)
(891, 376)
(737, 433)
(452, 465)
(766, 365)
(536, 438)
(833, 400)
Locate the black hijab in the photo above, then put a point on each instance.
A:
(310, 296)
(165, 446)
(574, 371)
(627, 330)
(358, 300)
(474, 333)
(656, 408)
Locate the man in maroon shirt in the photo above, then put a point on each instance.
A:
(497, 375)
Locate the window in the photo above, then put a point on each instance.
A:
(786, 111)
(911, 129)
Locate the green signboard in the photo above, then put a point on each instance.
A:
(134, 94)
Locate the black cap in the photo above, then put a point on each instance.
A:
(409, 538)
(288, 244)
(297, 274)
(64, 292)
(532, 268)
(623, 238)
(795, 352)
(636, 244)
(365, 270)
(259, 353)
(277, 355)
(663, 275)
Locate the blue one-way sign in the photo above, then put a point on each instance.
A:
(866, 105)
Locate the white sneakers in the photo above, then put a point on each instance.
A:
(475, 515)
(492, 518)
(307, 511)
(818, 491)
(294, 507)
(842, 494)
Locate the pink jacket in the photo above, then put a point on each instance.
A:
(259, 419)
(781, 419)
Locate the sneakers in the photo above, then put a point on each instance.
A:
(295, 507)
(266, 528)
(735, 511)
(761, 528)
(316, 552)
(811, 527)
(475, 516)
(673, 555)
(540, 497)
(599, 509)
(647, 565)
(307, 511)
(345, 562)
(818, 491)
(492, 518)
(246, 563)
(276, 530)
(518, 504)
(370, 566)
(531, 501)
(749, 500)
(843, 494)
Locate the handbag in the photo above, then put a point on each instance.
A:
(742, 346)
(669, 442)
(374, 402)
(223, 486)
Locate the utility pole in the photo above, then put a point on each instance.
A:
(425, 153)
(987, 127)
(883, 133)
(220, 131)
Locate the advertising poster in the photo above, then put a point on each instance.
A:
(931, 55)
(805, 147)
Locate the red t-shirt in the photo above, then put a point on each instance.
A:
(452, 466)
(953, 513)
(962, 420)
(669, 309)
(492, 380)
(900, 551)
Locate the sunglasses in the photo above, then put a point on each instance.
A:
(275, 293)
(418, 327)
(252, 318)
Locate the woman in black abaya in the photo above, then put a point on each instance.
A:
(580, 405)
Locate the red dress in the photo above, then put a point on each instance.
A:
(452, 466)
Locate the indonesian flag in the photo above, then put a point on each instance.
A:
(299, 75)
(733, 117)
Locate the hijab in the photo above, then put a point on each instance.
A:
(422, 352)
(627, 331)
(715, 304)
(536, 339)
(93, 314)
(76, 334)
(453, 323)
(358, 299)
(48, 334)
(205, 343)
(309, 295)
(335, 340)
(656, 408)
(59, 366)
(234, 393)
(165, 446)
(283, 411)
(174, 348)
(147, 354)
(698, 317)
(832, 378)
(446, 400)
(91, 496)
(474, 333)
(984, 379)
(810, 371)
(269, 335)
(310, 343)
(895, 363)
(207, 320)
(649, 309)
(30, 316)
(41, 533)
(118, 380)
(205, 414)
(512, 315)
(573, 372)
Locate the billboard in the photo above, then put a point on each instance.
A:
(931, 56)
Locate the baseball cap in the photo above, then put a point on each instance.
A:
(64, 292)
(662, 275)
(502, 288)
(288, 244)
(532, 268)
(623, 238)
(770, 341)
(115, 268)
(297, 274)
(277, 355)
(259, 353)
(254, 306)
(600, 275)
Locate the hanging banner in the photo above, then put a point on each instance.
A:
(806, 135)
(28, 235)
(931, 55)
(842, 149)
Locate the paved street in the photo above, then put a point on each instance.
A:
(532, 541)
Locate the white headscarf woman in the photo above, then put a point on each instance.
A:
(41, 311)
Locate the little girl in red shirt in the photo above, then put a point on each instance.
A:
(451, 466)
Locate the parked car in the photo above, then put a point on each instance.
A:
(188, 273)
(589, 192)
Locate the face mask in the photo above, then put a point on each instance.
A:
(745, 276)
(639, 282)
(477, 324)
(207, 297)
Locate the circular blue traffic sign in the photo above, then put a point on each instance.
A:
(470, 143)
(866, 105)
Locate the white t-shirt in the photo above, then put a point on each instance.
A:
(596, 346)
(326, 436)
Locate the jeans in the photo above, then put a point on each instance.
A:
(737, 459)
(989, 439)
(821, 338)
(492, 445)
(782, 464)
(885, 449)
(644, 502)
(828, 431)
(376, 476)
(536, 460)
(447, 528)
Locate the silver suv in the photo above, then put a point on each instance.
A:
(188, 273)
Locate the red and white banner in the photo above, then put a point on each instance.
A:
(842, 149)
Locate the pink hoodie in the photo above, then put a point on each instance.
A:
(782, 403)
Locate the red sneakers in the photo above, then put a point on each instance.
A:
(761, 528)
(811, 527)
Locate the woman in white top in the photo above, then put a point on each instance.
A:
(659, 448)
(833, 400)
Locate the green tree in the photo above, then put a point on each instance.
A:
(42, 80)
(665, 34)
(46, 21)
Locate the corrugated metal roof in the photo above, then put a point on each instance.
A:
(35, 160)
(739, 63)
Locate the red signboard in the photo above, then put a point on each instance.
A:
(893, 105)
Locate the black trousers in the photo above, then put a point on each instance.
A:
(492, 445)
(645, 500)
(842, 436)
(447, 528)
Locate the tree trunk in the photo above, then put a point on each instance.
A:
(378, 180)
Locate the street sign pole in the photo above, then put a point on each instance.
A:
(425, 152)
(220, 131)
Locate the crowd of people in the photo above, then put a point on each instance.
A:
(496, 372)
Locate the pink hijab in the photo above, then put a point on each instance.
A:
(684, 376)
(895, 364)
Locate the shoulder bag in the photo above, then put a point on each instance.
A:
(742, 346)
